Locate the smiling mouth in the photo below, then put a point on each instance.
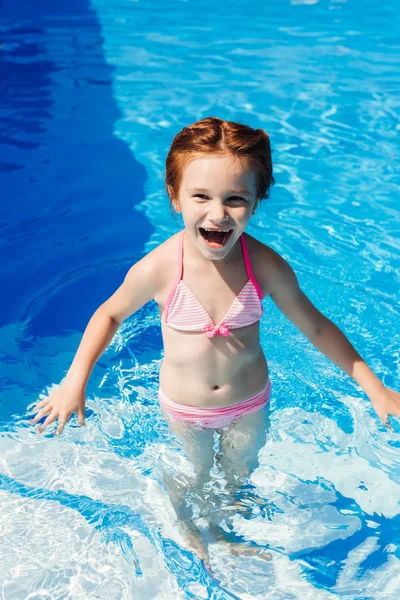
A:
(215, 238)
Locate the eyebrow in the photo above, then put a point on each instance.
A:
(231, 192)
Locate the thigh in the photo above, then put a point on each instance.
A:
(240, 443)
(197, 442)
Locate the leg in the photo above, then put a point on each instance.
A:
(198, 447)
(240, 443)
(197, 444)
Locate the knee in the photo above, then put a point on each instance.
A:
(237, 465)
(201, 475)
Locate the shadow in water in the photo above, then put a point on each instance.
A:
(68, 224)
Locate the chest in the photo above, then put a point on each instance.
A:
(210, 296)
(216, 295)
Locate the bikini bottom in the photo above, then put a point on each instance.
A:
(214, 416)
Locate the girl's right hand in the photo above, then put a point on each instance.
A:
(61, 403)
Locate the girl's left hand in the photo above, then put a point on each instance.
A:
(386, 402)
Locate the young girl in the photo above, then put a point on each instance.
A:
(208, 281)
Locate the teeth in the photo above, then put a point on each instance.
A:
(224, 230)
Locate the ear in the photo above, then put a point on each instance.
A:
(174, 201)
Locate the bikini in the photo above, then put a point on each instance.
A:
(184, 312)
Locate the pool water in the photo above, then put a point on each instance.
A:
(92, 94)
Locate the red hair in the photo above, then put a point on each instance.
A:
(216, 136)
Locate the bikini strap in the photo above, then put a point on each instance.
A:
(178, 275)
(248, 266)
(180, 256)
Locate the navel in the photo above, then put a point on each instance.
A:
(215, 387)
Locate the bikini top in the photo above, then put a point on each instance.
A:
(184, 312)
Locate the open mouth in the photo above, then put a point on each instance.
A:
(215, 238)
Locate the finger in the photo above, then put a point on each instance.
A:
(61, 425)
(41, 403)
(81, 419)
(40, 415)
(52, 416)
(386, 422)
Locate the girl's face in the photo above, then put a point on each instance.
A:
(216, 197)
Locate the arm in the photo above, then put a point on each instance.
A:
(327, 337)
(138, 287)
(97, 336)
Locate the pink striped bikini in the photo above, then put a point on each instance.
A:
(184, 312)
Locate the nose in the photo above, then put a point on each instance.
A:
(218, 212)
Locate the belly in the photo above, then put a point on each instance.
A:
(215, 371)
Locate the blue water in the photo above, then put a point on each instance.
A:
(91, 95)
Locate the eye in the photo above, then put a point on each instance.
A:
(235, 199)
(238, 199)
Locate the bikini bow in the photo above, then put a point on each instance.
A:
(211, 331)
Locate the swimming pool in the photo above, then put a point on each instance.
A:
(92, 96)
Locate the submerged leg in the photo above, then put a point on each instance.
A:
(237, 458)
(240, 444)
(198, 447)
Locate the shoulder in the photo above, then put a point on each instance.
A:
(270, 269)
(142, 282)
(159, 261)
(164, 258)
(157, 270)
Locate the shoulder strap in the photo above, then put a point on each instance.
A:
(178, 275)
(180, 255)
(248, 266)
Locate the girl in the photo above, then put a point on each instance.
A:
(208, 281)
